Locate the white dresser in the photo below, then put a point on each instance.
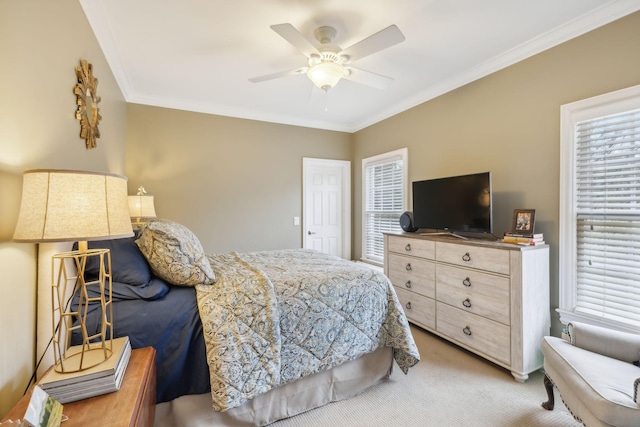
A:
(488, 297)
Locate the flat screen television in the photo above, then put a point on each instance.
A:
(454, 204)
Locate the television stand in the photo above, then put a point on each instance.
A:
(490, 298)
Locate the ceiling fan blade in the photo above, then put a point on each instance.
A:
(295, 37)
(368, 78)
(374, 43)
(278, 75)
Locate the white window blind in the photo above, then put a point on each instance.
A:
(607, 217)
(384, 183)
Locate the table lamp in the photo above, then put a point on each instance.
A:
(141, 207)
(70, 206)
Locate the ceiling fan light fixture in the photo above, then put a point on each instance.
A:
(326, 75)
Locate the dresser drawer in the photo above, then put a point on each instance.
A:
(412, 274)
(484, 335)
(488, 259)
(414, 247)
(478, 304)
(475, 292)
(418, 309)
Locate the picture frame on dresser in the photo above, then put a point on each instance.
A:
(523, 221)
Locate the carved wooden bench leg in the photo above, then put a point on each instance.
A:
(548, 385)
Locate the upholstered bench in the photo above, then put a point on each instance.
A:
(596, 374)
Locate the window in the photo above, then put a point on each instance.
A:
(600, 211)
(384, 183)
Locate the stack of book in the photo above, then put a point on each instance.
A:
(101, 379)
(523, 238)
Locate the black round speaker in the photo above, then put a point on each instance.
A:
(406, 222)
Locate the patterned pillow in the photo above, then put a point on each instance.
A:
(175, 254)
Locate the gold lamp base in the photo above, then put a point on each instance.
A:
(68, 279)
(137, 224)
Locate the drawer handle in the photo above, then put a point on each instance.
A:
(466, 257)
(408, 267)
(408, 247)
(408, 284)
(467, 282)
(408, 305)
(467, 303)
(467, 330)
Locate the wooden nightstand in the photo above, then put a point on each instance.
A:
(132, 405)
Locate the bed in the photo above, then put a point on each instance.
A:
(251, 338)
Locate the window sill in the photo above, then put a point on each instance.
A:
(567, 316)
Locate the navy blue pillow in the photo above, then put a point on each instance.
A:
(128, 265)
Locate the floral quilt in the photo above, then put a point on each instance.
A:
(273, 317)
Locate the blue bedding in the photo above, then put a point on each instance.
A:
(171, 325)
(155, 314)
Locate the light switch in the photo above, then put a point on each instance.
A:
(296, 220)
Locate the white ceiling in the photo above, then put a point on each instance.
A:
(198, 55)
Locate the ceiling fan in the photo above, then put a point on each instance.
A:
(327, 63)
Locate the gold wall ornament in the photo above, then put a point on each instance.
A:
(88, 111)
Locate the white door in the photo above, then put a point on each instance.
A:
(327, 206)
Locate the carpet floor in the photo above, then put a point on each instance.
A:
(449, 387)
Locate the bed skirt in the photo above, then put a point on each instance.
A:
(307, 393)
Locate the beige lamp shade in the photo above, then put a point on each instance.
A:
(141, 206)
(63, 205)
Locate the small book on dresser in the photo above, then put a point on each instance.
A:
(101, 379)
(523, 239)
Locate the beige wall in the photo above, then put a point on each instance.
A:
(509, 123)
(237, 184)
(41, 43)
